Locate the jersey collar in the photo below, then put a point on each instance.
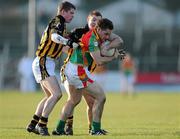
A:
(97, 35)
(61, 18)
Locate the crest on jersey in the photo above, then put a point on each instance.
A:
(95, 43)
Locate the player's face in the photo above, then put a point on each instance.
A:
(92, 21)
(104, 34)
(68, 15)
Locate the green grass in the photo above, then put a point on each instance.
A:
(146, 116)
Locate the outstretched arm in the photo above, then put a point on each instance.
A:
(61, 40)
(96, 55)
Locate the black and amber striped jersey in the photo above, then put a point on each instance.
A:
(47, 47)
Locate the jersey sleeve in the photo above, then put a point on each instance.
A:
(76, 34)
(57, 26)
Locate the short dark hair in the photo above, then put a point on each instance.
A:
(105, 23)
(95, 12)
(65, 5)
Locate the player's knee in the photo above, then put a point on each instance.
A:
(102, 99)
(57, 96)
(90, 104)
(75, 101)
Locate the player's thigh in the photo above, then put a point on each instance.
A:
(52, 85)
(88, 98)
(69, 88)
(74, 95)
(95, 90)
(46, 91)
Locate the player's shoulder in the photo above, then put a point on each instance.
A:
(80, 30)
(57, 20)
(87, 35)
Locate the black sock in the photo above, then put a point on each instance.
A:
(35, 120)
(69, 121)
(43, 122)
(89, 125)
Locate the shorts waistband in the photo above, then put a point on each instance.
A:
(47, 57)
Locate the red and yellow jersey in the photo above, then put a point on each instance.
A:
(89, 43)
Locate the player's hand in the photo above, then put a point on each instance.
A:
(72, 44)
(116, 54)
(122, 53)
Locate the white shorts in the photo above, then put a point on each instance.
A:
(43, 68)
(78, 76)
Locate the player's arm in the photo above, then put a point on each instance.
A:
(74, 35)
(57, 29)
(61, 40)
(115, 42)
(65, 49)
(77, 33)
(96, 55)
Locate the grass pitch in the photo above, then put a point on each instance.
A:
(146, 116)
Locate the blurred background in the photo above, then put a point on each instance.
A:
(150, 30)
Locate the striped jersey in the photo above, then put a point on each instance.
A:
(47, 47)
(89, 43)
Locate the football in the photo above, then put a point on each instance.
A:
(107, 52)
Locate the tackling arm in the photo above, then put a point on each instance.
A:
(96, 55)
(59, 39)
(115, 42)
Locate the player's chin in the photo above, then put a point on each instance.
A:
(68, 21)
(93, 25)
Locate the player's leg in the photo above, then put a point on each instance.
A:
(73, 100)
(40, 106)
(69, 121)
(51, 84)
(38, 113)
(38, 76)
(43, 70)
(89, 101)
(97, 92)
(70, 72)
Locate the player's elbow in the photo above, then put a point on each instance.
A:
(54, 38)
(58, 39)
(99, 63)
(121, 43)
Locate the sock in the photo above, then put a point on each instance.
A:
(89, 125)
(35, 120)
(43, 122)
(69, 121)
(96, 126)
(60, 126)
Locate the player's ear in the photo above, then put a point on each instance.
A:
(88, 18)
(63, 11)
